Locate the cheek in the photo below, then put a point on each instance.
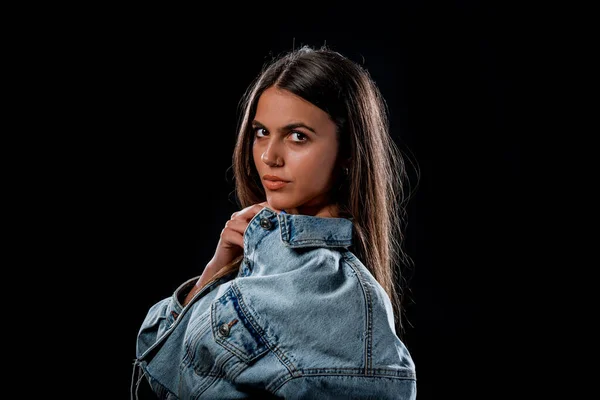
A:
(315, 170)
(255, 156)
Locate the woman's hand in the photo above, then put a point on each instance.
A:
(230, 246)
(231, 242)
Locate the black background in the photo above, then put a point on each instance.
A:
(155, 93)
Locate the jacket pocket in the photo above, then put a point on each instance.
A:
(234, 328)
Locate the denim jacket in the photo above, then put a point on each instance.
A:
(303, 318)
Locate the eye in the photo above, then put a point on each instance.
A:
(258, 133)
(301, 137)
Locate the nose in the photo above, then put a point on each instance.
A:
(271, 157)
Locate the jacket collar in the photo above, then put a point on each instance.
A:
(308, 231)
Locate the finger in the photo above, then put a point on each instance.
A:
(247, 213)
(237, 225)
(232, 237)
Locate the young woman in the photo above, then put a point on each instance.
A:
(300, 299)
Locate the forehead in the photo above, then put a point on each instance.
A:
(279, 107)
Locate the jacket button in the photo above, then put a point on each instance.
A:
(224, 329)
(266, 223)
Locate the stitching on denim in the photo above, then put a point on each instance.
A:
(152, 379)
(219, 372)
(229, 294)
(369, 309)
(204, 326)
(283, 229)
(403, 373)
(358, 375)
(283, 358)
(237, 369)
(321, 242)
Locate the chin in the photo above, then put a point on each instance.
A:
(279, 204)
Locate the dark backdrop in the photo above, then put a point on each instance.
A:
(160, 113)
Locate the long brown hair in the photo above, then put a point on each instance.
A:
(374, 192)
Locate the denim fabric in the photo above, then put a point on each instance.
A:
(301, 319)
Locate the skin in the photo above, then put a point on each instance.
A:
(306, 156)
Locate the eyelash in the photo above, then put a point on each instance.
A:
(292, 132)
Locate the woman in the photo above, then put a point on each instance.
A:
(299, 299)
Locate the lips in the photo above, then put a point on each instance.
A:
(274, 185)
(273, 178)
(272, 182)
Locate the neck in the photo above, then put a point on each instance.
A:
(328, 211)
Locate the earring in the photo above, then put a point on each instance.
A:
(346, 171)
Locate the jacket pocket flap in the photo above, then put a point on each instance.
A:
(233, 328)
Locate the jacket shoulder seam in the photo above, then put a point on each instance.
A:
(401, 375)
(368, 350)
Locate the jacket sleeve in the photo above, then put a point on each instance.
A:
(160, 317)
(328, 387)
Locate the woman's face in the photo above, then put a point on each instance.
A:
(295, 149)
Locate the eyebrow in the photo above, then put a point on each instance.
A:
(288, 127)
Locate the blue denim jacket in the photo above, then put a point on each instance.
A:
(302, 318)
